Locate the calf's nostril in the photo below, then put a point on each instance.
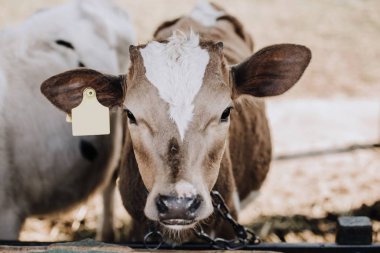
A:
(196, 202)
(161, 206)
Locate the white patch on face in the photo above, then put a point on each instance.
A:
(177, 69)
(185, 189)
(205, 13)
(251, 197)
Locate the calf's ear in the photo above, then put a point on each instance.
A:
(65, 90)
(271, 71)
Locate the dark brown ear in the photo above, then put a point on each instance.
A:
(65, 90)
(271, 71)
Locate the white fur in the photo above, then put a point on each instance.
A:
(205, 13)
(99, 31)
(38, 154)
(185, 189)
(177, 69)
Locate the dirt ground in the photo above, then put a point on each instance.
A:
(334, 105)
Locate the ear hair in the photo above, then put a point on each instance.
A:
(134, 52)
(132, 49)
(219, 44)
(65, 90)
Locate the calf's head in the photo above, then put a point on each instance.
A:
(178, 95)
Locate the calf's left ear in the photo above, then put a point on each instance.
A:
(65, 90)
(271, 71)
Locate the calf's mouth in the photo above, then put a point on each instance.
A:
(178, 224)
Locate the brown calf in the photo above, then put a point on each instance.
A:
(194, 120)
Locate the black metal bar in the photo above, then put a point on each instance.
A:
(282, 247)
(316, 248)
(27, 243)
(277, 247)
(328, 151)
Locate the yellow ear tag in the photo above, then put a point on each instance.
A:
(90, 117)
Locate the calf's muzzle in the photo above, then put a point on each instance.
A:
(173, 210)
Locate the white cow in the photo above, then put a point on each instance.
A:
(43, 168)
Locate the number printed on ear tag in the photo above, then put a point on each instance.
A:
(90, 117)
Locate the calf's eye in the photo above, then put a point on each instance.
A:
(225, 114)
(131, 117)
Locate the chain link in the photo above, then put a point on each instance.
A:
(244, 236)
(153, 239)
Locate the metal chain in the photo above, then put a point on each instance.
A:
(153, 237)
(244, 236)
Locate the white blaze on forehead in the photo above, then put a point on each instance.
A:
(176, 69)
(185, 189)
(205, 13)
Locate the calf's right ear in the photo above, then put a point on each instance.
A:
(65, 90)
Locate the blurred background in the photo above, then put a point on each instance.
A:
(335, 105)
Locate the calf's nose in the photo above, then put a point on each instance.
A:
(177, 208)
